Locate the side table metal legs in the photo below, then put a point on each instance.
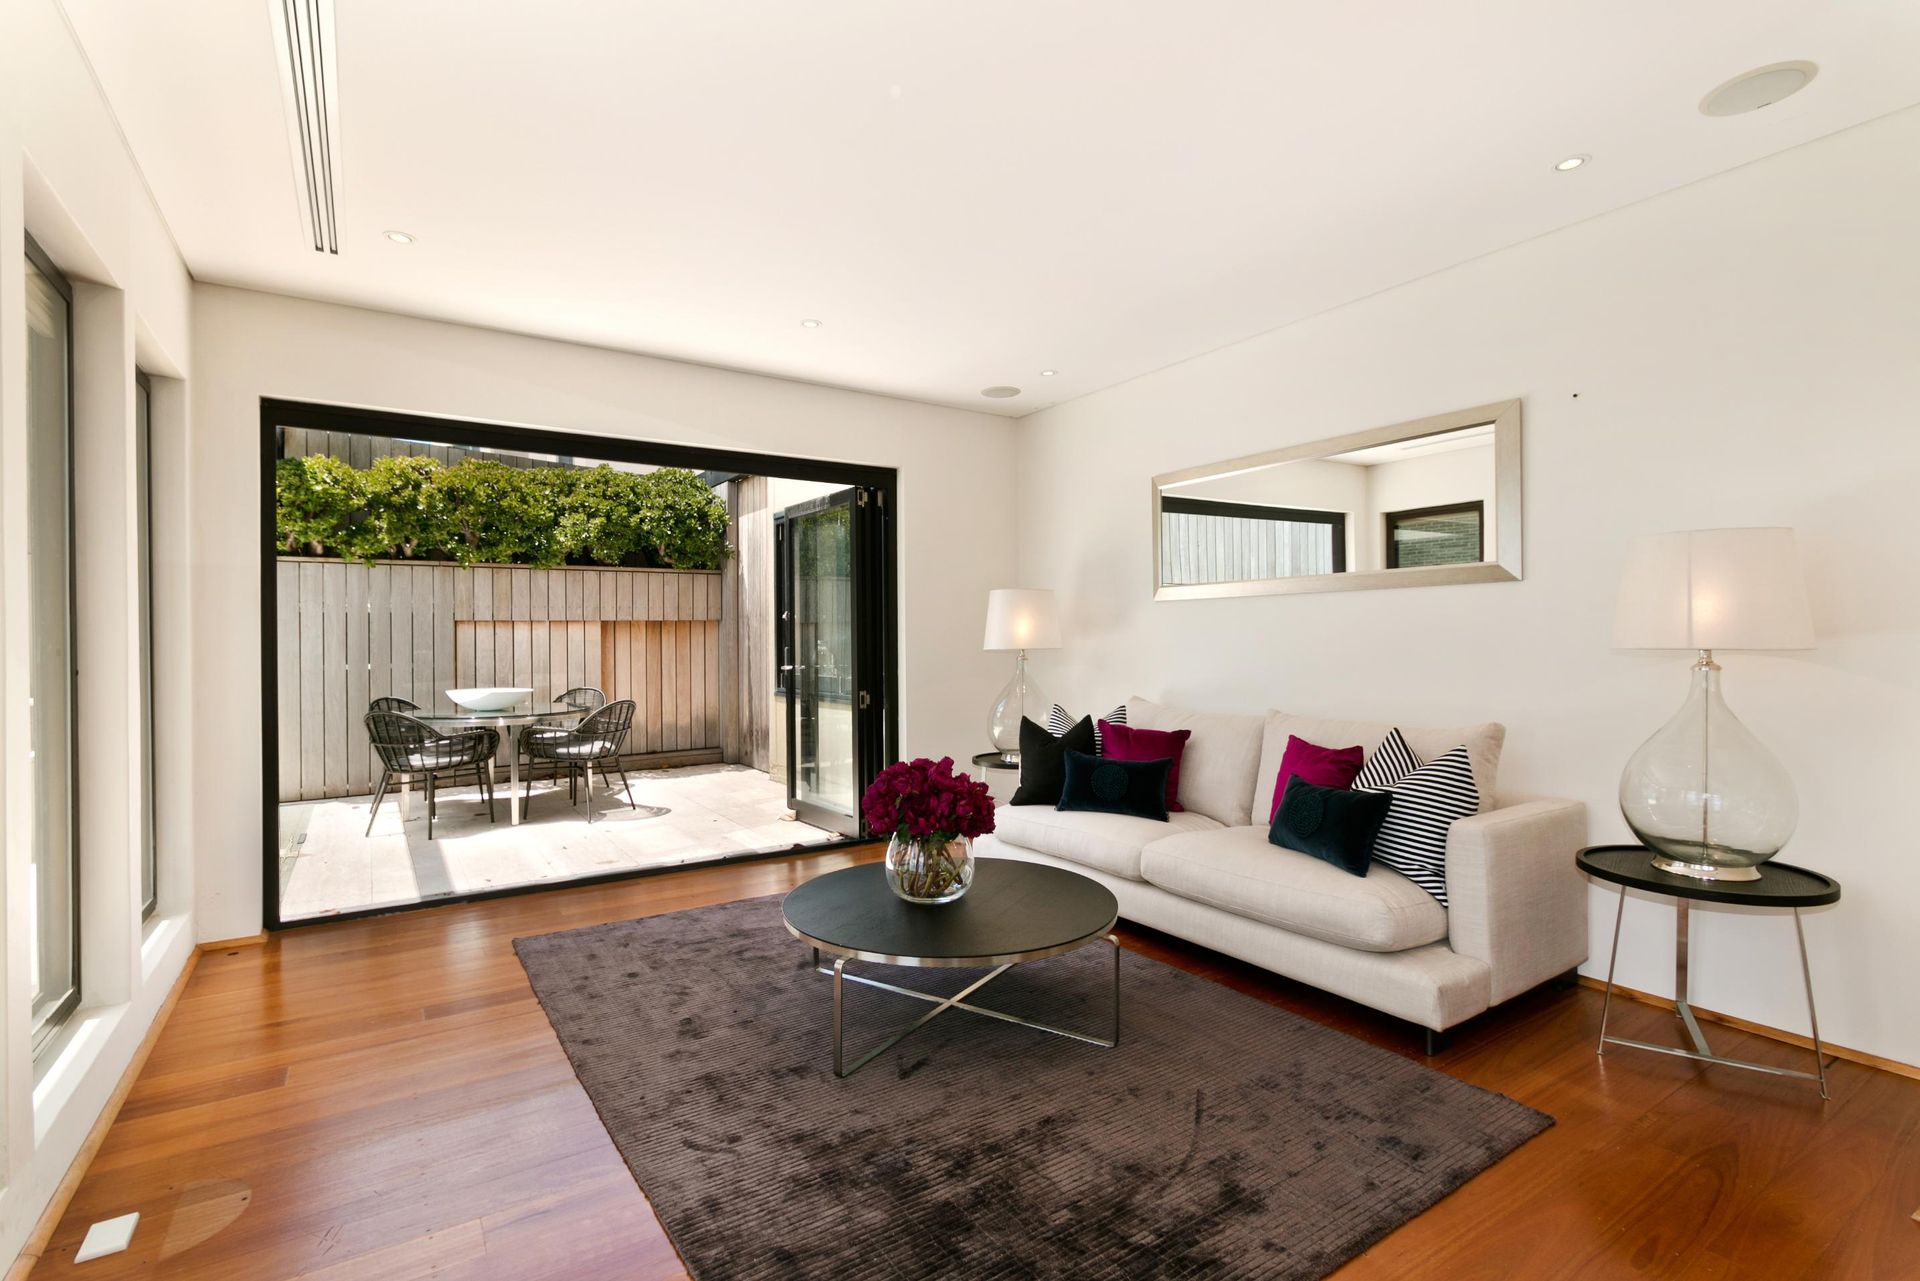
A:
(941, 1004)
(1683, 1008)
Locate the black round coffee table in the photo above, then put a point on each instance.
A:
(1779, 885)
(1014, 912)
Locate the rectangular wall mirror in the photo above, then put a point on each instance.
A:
(1416, 504)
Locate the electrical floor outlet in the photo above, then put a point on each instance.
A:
(109, 1236)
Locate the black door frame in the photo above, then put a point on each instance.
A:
(879, 645)
(866, 510)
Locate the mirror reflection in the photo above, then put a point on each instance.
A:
(1426, 496)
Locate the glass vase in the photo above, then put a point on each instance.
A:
(929, 869)
(1020, 697)
(1703, 794)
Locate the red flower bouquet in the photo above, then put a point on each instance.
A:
(931, 815)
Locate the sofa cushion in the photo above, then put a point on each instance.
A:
(1336, 825)
(1107, 843)
(1124, 742)
(1059, 721)
(1428, 798)
(1043, 760)
(1483, 743)
(1216, 770)
(1237, 870)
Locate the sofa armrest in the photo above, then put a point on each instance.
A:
(1515, 898)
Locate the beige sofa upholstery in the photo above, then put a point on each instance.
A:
(1517, 914)
(1237, 870)
(1105, 842)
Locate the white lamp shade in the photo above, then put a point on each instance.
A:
(1713, 589)
(1021, 618)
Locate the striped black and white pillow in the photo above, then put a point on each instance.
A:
(1059, 722)
(1427, 800)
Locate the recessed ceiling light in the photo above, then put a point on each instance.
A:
(399, 237)
(1571, 163)
(1048, 373)
(1761, 87)
(809, 324)
(999, 393)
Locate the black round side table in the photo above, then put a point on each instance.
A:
(1015, 912)
(1779, 886)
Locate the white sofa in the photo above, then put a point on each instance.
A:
(1517, 909)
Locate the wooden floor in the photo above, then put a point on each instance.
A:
(384, 1099)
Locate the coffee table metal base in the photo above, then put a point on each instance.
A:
(941, 1004)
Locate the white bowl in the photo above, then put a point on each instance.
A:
(493, 698)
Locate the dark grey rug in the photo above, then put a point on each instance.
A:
(1223, 1138)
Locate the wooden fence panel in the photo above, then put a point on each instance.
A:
(357, 626)
(287, 606)
(379, 648)
(313, 699)
(350, 633)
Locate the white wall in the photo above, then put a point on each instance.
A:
(66, 177)
(1742, 351)
(955, 534)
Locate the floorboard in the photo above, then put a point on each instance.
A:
(384, 1099)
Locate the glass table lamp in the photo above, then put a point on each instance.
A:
(1019, 619)
(1703, 793)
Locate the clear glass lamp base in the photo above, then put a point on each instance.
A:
(1703, 794)
(1020, 698)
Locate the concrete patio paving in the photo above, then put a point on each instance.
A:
(328, 865)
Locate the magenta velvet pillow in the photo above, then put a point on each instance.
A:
(1312, 763)
(1126, 743)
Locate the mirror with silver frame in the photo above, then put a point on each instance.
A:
(1417, 504)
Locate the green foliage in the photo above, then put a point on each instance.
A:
(497, 516)
(600, 513)
(682, 523)
(406, 509)
(823, 544)
(319, 499)
(483, 511)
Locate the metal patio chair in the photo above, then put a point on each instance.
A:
(392, 703)
(410, 748)
(598, 738)
(582, 698)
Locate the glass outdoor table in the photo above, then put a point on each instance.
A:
(509, 723)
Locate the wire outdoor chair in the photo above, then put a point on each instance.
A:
(392, 703)
(582, 698)
(599, 738)
(411, 748)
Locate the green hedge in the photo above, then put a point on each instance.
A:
(485, 512)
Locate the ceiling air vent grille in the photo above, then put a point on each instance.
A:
(303, 40)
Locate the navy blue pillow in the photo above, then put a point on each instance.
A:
(1108, 786)
(1333, 824)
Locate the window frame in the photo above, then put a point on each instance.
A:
(46, 1027)
(150, 791)
(1337, 520)
(1390, 550)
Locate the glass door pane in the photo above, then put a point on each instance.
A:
(55, 971)
(823, 773)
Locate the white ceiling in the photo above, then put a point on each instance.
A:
(966, 193)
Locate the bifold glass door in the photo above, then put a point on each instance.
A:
(829, 591)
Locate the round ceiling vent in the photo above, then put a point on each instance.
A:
(999, 393)
(1761, 87)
